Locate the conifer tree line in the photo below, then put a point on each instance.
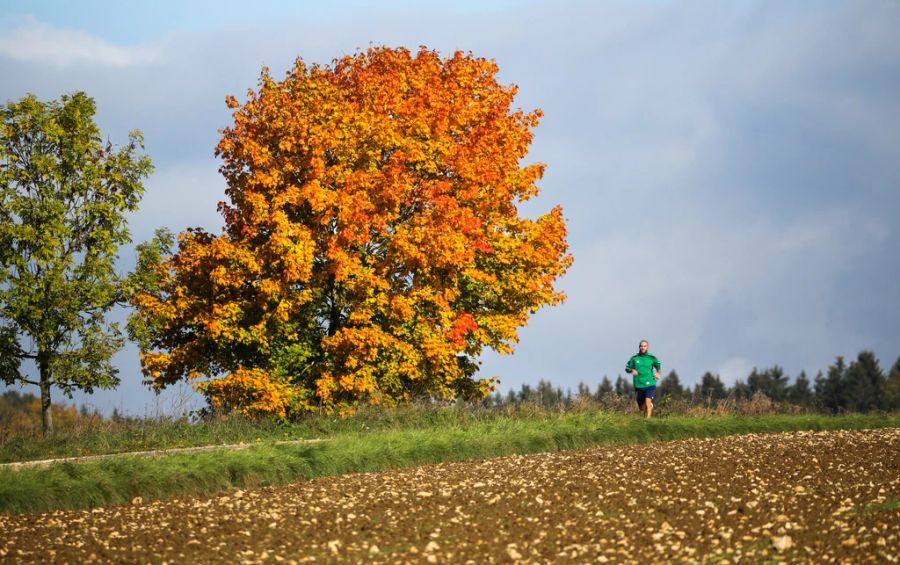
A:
(860, 386)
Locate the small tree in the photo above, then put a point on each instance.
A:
(891, 387)
(63, 199)
(710, 387)
(771, 382)
(670, 385)
(604, 389)
(624, 387)
(800, 392)
(527, 394)
(584, 391)
(740, 391)
(831, 389)
(547, 395)
(864, 383)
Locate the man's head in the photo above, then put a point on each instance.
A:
(643, 346)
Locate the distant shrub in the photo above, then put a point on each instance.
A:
(20, 416)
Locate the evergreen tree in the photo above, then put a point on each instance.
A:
(830, 393)
(816, 400)
(584, 391)
(740, 390)
(624, 387)
(864, 383)
(14, 401)
(771, 382)
(710, 387)
(670, 385)
(800, 392)
(526, 394)
(755, 381)
(548, 396)
(605, 388)
(891, 388)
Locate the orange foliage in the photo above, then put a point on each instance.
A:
(251, 392)
(372, 245)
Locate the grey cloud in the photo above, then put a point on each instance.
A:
(760, 142)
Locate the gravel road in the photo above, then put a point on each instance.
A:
(798, 497)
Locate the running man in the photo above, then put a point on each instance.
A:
(646, 369)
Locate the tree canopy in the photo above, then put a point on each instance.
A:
(63, 199)
(373, 245)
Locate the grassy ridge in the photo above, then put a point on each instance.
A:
(398, 443)
(142, 435)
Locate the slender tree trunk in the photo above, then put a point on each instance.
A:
(334, 321)
(334, 315)
(46, 413)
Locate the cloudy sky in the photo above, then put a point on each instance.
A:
(730, 171)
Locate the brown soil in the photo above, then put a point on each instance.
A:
(799, 497)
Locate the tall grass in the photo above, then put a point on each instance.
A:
(123, 435)
(97, 436)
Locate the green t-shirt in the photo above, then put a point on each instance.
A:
(644, 363)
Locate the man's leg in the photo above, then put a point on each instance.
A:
(650, 395)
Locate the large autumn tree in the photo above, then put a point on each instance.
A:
(64, 194)
(372, 247)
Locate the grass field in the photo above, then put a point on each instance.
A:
(368, 441)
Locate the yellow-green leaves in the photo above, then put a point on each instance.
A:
(63, 199)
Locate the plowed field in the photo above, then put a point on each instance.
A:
(806, 496)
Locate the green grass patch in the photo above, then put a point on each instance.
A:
(369, 442)
(889, 504)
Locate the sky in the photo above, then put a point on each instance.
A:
(729, 171)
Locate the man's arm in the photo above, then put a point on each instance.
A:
(657, 370)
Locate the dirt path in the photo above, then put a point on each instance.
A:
(808, 497)
(150, 453)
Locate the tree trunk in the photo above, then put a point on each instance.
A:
(334, 314)
(46, 414)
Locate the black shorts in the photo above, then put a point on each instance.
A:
(642, 394)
